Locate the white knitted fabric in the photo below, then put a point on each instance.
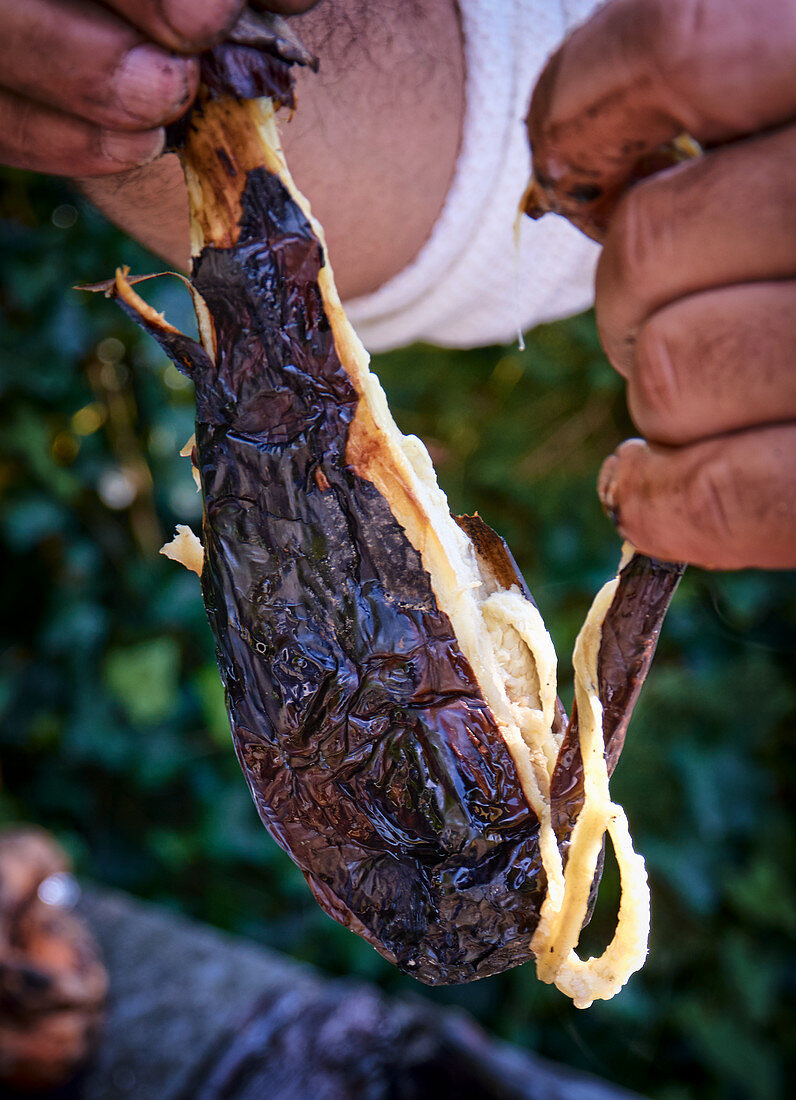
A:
(470, 284)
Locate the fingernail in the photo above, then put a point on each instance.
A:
(130, 150)
(151, 85)
(606, 488)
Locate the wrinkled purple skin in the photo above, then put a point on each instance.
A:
(364, 737)
(370, 752)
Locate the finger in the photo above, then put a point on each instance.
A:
(81, 59)
(716, 362)
(43, 140)
(640, 72)
(726, 503)
(184, 25)
(725, 218)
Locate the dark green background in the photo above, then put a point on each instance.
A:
(113, 726)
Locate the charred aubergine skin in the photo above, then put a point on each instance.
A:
(370, 752)
(369, 749)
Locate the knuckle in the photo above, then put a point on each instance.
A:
(21, 144)
(635, 239)
(20, 125)
(671, 34)
(31, 137)
(655, 388)
(712, 497)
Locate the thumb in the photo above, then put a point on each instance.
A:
(723, 503)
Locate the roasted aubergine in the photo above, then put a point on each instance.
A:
(389, 680)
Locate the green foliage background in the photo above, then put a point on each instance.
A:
(113, 727)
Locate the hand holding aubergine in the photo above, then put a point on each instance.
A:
(86, 88)
(695, 295)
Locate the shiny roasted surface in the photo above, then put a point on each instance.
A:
(370, 752)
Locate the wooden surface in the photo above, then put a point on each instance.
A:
(198, 1015)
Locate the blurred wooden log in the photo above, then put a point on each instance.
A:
(198, 1015)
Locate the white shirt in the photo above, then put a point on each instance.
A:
(471, 283)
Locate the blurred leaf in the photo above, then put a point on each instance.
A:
(765, 895)
(143, 678)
